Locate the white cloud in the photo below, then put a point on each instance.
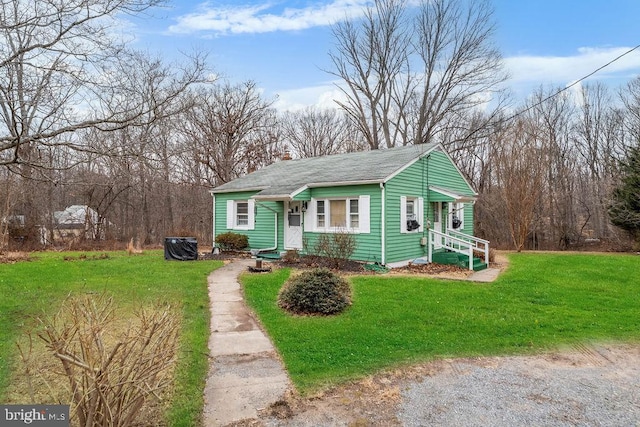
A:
(527, 74)
(263, 18)
(564, 70)
(322, 96)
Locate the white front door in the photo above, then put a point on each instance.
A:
(293, 225)
(437, 222)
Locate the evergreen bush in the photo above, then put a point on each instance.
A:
(232, 241)
(317, 291)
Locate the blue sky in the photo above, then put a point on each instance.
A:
(283, 45)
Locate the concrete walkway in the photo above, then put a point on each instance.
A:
(486, 276)
(246, 374)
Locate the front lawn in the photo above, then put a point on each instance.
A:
(541, 302)
(27, 289)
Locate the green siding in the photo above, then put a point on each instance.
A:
(443, 173)
(411, 182)
(368, 244)
(434, 170)
(468, 219)
(303, 195)
(263, 235)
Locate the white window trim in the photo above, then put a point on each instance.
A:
(419, 212)
(232, 214)
(311, 217)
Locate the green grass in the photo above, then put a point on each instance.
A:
(27, 289)
(542, 302)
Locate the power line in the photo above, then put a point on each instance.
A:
(558, 92)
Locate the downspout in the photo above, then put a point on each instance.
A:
(383, 219)
(213, 223)
(425, 196)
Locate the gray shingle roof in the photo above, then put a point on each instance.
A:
(286, 177)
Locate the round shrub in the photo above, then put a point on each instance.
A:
(317, 291)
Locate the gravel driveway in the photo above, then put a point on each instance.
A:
(585, 385)
(591, 386)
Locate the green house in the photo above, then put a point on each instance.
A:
(400, 204)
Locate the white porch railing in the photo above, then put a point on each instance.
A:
(458, 242)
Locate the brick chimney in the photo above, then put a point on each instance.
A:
(287, 154)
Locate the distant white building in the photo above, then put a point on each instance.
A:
(77, 221)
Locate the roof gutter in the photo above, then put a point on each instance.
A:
(236, 190)
(273, 197)
(343, 183)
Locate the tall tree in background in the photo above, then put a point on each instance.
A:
(314, 132)
(519, 179)
(408, 75)
(60, 69)
(372, 57)
(460, 67)
(625, 208)
(233, 130)
(630, 96)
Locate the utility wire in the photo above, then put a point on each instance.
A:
(571, 85)
(558, 92)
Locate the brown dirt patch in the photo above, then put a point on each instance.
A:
(314, 261)
(13, 257)
(223, 255)
(434, 270)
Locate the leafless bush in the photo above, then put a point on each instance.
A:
(111, 377)
(339, 247)
(291, 256)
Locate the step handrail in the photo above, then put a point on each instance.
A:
(481, 245)
(455, 244)
(468, 237)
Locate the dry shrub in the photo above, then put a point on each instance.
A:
(110, 377)
(291, 256)
(133, 249)
(13, 257)
(480, 254)
(338, 247)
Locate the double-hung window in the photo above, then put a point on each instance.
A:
(321, 216)
(341, 214)
(354, 215)
(241, 214)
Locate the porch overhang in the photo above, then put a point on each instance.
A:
(439, 194)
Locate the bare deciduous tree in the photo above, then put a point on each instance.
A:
(232, 129)
(410, 76)
(313, 132)
(519, 174)
(372, 57)
(461, 68)
(55, 74)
